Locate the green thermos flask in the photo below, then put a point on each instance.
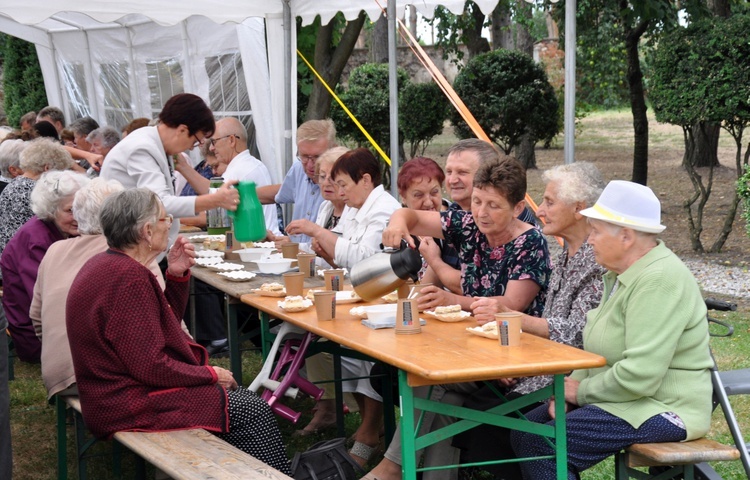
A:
(249, 222)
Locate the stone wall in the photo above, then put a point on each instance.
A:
(407, 60)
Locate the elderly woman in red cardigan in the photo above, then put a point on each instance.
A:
(136, 368)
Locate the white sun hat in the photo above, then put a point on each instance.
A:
(628, 204)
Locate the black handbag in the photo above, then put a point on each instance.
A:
(327, 460)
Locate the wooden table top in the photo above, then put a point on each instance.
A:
(443, 352)
(237, 289)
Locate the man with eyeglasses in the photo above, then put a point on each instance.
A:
(299, 186)
(229, 145)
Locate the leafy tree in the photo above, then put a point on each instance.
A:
(701, 76)
(367, 98)
(422, 110)
(23, 81)
(509, 96)
(328, 47)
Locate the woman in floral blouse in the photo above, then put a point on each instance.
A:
(501, 256)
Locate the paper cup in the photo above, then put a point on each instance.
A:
(325, 304)
(334, 280)
(294, 283)
(306, 263)
(509, 328)
(407, 317)
(405, 288)
(289, 250)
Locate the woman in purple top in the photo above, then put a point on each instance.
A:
(52, 202)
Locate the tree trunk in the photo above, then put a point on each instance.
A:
(637, 101)
(330, 62)
(475, 43)
(501, 31)
(524, 40)
(705, 148)
(720, 8)
(413, 21)
(525, 153)
(379, 41)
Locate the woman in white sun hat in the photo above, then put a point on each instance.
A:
(650, 326)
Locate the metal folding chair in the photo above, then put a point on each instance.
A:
(726, 384)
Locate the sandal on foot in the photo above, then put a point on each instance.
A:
(369, 476)
(308, 430)
(362, 451)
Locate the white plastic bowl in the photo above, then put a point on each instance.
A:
(253, 254)
(275, 265)
(378, 312)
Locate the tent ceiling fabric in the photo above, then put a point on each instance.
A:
(84, 15)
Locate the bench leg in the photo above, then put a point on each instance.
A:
(62, 439)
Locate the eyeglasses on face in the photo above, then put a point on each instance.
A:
(308, 158)
(198, 142)
(212, 141)
(169, 219)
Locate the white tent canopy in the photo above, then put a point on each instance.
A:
(118, 60)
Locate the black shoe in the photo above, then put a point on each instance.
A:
(218, 351)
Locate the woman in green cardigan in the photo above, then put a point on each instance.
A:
(650, 326)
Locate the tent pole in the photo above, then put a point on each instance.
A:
(393, 94)
(288, 155)
(289, 51)
(570, 80)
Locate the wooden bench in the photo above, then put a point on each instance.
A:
(681, 456)
(190, 454)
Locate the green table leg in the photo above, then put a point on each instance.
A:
(233, 334)
(561, 438)
(408, 444)
(266, 338)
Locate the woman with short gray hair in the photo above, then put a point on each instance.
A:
(135, 368)
(10, 160)
(101, 140)
(52, 201)
(15, 201)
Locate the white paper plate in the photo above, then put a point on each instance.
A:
(226, 267)
(306, 304)
(209, 253)
(479, 331)
(449, 318)
(206, 261)
(238, 276)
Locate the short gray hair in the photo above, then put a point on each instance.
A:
(88, 203)
(125, 213)
(83, 126)
(53, 187)
(110, 136)
(576, 182)
(45, 153)
(486, 152)
(53, 113)
(10, 155)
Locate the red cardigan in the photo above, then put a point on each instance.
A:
(135, 367)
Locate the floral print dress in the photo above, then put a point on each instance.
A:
(485, 271)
